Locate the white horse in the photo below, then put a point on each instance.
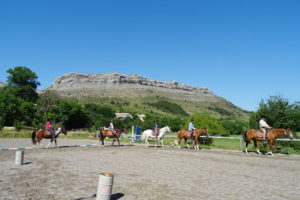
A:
(148, 133)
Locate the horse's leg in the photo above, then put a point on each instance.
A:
(162, 142)
(39, 141)
(246, 150)
(255, 144)
(271, 148)
(118, 141)
(147, 141)
(185, 141)
(196, 144)
(179, 141)
(113, 141)
(49, 144)
(193, 143)
(55, 143)
(35, 141)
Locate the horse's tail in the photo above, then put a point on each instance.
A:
(245, 136)
(178, 132)
(33, 135)
(101, 134)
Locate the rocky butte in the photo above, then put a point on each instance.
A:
(122, 85)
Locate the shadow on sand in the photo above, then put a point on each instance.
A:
(113, 197)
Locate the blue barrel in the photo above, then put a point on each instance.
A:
(138, 134)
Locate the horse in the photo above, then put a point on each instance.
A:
(38, 135)
(106, 133)
(185, 134)
(160, 138)
(272, 135)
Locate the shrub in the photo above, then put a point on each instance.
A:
(18, 125)
(169, 107)
(288, 146)
(205, 140)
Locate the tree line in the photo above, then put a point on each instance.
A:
(21, 105)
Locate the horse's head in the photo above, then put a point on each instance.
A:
(289, 134)
(124, 130)
(206, 131)
(62, 130)
(168, 130)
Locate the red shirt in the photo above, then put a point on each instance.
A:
(48, 124)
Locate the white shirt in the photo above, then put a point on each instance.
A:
(111, 126)
(263, 124)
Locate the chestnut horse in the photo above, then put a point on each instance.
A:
(38, 135)
(104, 133)
(185, 134)
(271, 136)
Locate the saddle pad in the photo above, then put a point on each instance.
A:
(260, 134)
(48, 132)
(109, 134)
(153, 133)
(188, 134)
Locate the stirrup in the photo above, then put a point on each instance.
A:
(265, 141)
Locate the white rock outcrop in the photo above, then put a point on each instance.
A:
(112, 84)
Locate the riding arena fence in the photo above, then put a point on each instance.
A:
(136, 135)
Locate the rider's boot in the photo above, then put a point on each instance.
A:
(264, 139)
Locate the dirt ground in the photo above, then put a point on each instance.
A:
(145, 173)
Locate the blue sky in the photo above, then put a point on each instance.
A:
(244, 51)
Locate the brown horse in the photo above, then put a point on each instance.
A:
(271, 136)
(38, 135)
(108, 133)
(186, 135)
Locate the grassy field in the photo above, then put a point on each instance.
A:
(218, 143)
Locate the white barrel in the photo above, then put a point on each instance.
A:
(19, 158)
(105, 185)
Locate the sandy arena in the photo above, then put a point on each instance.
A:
(145, 173)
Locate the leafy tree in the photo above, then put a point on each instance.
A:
(23, 83)
(27, 112)
(177, 123)
(9, 107)
(47, 101)
(278, 111)
(203, 120)
(295, 115)
(71, 115)
(235, 127)
(18, 96)
(99, 115)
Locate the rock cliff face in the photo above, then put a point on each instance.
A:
(122, 85)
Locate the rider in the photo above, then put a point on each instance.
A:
(50, 129)
(264, 127)
(191, 128)
(155, 129)
(111, 127)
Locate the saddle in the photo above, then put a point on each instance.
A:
(110, 133)
(48, 132)
(153, 133)
(260, 134)
(188, 134)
